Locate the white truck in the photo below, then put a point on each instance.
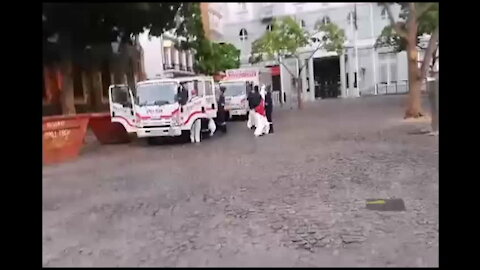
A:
(166, 107)
(238, 83)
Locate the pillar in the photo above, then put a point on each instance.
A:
(177, 58)
(304, 81)
(162, 56)
(343, 76)
(184, 60)
(351, 73)
(312, 79)
(190, 59)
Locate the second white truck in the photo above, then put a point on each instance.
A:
(238, 82)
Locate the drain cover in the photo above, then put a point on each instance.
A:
(386, 204)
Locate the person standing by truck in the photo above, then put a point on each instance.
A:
(269, 107)
(253, 101)
(261, 123)
(221, 117)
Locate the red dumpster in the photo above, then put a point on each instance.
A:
(106, 131)
(63, 137)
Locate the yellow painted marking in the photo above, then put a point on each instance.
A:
(377, 202)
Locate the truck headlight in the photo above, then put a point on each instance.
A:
(138, 120)
(244, 102)
(176, 120)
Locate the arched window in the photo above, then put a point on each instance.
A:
(243, 34)
(302, 23)
(351, 17)
(384, 14)
(269, 27)
(326, 20)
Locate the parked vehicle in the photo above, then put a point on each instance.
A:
(238, 83)
(165, 107)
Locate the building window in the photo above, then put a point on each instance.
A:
(208, 88)
(326, 20)
(384, 14)
(243, 34)
(302, 23)
(269, 27)
(350, 17)
(242, 6)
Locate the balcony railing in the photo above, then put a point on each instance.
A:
(178, 67)
(400, 87)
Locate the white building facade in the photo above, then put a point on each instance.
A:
(162, 59)
(362, 69)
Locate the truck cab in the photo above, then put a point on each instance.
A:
(164, 107)
(236, 92)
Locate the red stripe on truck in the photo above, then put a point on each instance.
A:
(126, 120)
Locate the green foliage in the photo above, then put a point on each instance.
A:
(82, 25)
(333, 37)
(92, 23)
(287, 36)
(190, 27)
(388, 38)
(214, 57)
(210, 57)
(427, 22)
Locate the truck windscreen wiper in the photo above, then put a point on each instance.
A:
(160, 102)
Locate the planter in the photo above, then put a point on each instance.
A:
(106, 131)
(63, 137)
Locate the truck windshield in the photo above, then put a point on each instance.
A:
(234, 89)
(156, 94)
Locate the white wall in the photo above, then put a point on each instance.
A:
(152, 51)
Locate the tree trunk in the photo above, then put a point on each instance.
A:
(96, 91)
(299, 92)
(67, 100)
(414, 105)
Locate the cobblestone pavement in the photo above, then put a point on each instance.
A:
(293, 198)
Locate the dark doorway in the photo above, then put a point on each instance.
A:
(276, 81)
(326, 72)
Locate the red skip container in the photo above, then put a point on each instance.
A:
(63, 137)
(106, 131)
